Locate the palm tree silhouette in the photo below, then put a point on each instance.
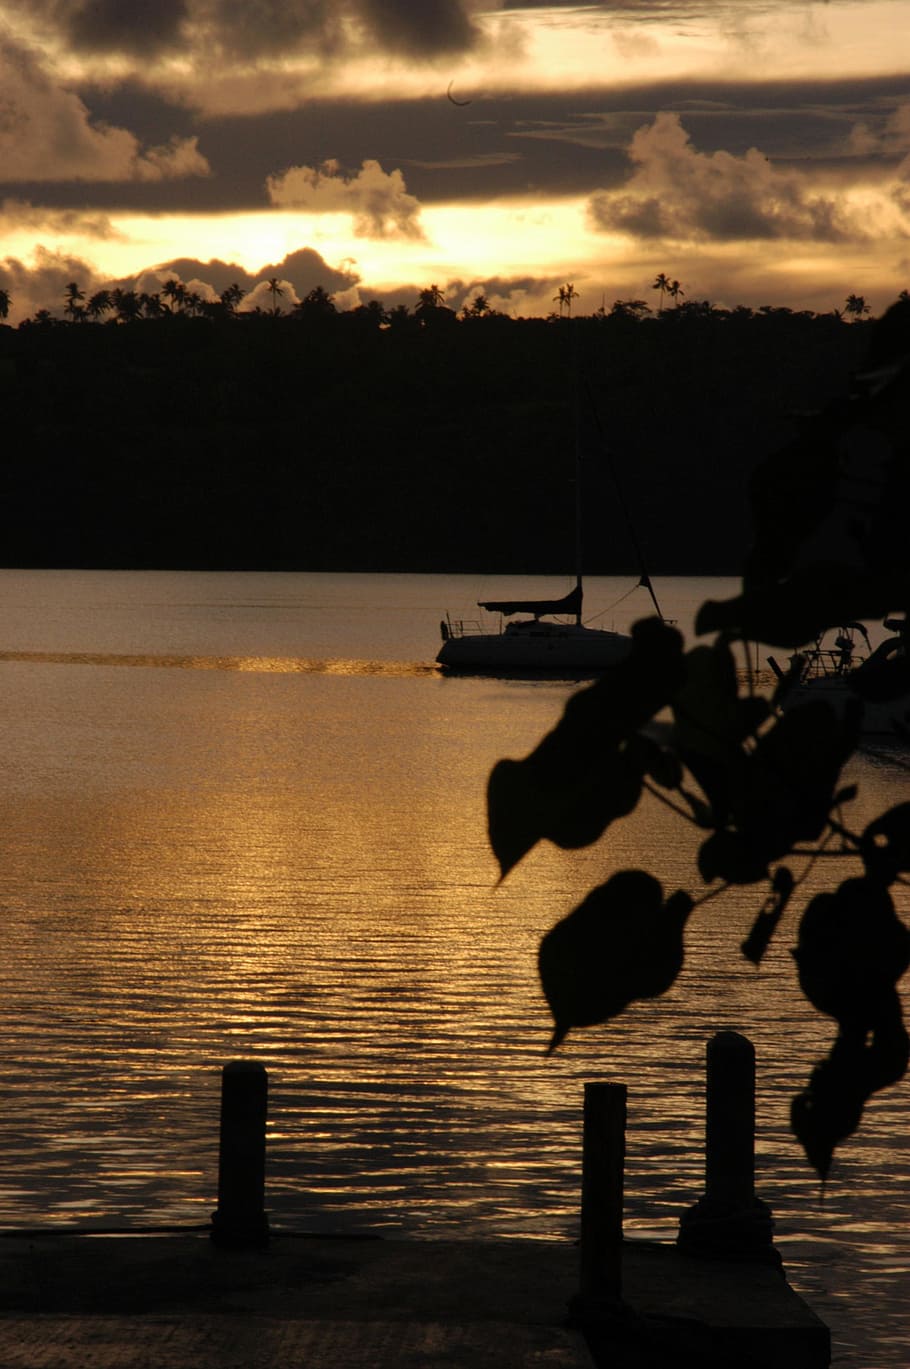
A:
(99, 304)
(275, 290)
(857, 306)
(674, 290)
(152, 306)
(429, 299)
(479, 306)
(73, 305)
(128, 305)
(318, 303)
(662, 283)
(175, 291)
(5, 303)
(565, 295)
(231, 297)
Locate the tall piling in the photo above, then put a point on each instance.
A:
(240, 1220)
(603, 1162)
(729, 1220)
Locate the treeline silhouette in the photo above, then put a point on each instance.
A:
(403, 440)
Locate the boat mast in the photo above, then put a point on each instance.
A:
(578, 530)
(576, 418)
(644, 578)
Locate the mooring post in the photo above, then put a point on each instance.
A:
(603, 1162)
(729, 1220)
(730, 1119)
(240, 1219)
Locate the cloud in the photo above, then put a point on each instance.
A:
(427, 29)
(378, 200)
(42, 284)
(680, 193)
(253, 29)
(16, 215)
(262, 296)
(302, 271)
(46, 134)
(112, 26)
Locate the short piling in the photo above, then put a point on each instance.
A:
(729, 1221)
(603, 1162)
(240, 1220)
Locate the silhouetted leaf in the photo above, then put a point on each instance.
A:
(791, 776)
(727, 855)
(702, 813)
(769, 915)
(623, 942)
(753, 710)
(791, 613)
(708, 723)
(659, 762)
(885, 844)
(859, 1064)
(827, 1112)
(787, 680)
(539, 798)
(852, 950)
(879, 680)
(584, 774)
(887, 1051)
(778, 791)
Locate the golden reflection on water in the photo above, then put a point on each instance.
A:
(292, 866)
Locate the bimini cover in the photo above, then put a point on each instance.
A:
(570, 604)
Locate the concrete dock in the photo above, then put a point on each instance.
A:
(177, 1301)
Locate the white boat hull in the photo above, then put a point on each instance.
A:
(546, 647)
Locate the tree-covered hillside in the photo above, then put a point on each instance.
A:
(325, 440)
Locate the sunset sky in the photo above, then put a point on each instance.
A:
(757, 151)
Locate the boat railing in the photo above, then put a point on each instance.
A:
(826, 660)
(467, 627)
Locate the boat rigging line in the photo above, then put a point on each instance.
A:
(644, 581)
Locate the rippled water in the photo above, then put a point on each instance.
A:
(242, 816)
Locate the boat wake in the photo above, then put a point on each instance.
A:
(260, 665)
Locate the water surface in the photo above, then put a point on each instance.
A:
(243, 816)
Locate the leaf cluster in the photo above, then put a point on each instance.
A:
(762, 784)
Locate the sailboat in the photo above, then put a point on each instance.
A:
(551, 639)
(839, 666)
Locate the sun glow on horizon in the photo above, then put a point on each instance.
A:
(508, 240)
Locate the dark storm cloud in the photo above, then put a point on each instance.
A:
(249, 29)
(429, 28)
(254, 28)
(139, 27)
(424, 29)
